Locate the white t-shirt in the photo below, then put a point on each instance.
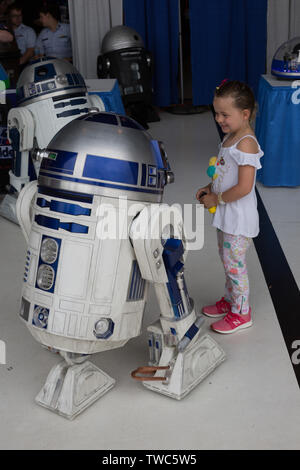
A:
(238, 217)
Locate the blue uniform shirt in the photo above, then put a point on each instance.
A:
(55, 43)
(25, 37)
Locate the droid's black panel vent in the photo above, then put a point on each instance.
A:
(136, 288)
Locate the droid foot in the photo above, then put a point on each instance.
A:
(71, 388)
(187, 368)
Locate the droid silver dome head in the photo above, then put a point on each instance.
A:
(106, 154)
(121, 37)
(47, 78)
(286, 61)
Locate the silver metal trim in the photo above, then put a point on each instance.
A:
(98, 190)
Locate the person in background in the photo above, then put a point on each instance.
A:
(25, 36)
(5, 35)
(3, 12)
(55, 39)
(9, 51)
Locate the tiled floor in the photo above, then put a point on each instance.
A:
(252, 401)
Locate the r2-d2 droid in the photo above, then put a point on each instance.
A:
(123, 56)
(286, 61)
(50, 93)
(98, 235)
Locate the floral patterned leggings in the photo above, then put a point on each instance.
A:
(232, 250)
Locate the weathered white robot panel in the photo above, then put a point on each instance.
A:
(94, 244)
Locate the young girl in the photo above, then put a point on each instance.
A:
(233, 193)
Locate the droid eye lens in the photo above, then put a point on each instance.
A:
(62, 79)
(42, 71)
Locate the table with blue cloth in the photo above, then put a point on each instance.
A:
(278, 131)
(109, 92)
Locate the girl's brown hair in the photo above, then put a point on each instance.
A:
(240, 92)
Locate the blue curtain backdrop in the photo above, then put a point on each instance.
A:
(157, 22)
(228, 40)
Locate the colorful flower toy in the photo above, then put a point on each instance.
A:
(211, 173)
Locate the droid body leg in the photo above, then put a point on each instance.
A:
(21, 133)
(73, 385)
(177, 341)
(98, 296)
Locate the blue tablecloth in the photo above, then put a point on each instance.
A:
(278, 132)
(109, 92)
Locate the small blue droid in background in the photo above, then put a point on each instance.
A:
(286, 61)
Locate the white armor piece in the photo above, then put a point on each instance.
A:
(50, 93)
(182, 359)
(85, 290)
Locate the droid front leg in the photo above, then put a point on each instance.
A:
(181, 356)
(190, 359)
(73, 385)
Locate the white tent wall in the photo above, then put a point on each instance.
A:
(90, 20)
(283, 24)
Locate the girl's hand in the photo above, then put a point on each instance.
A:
(206, 190)
(210, 200)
